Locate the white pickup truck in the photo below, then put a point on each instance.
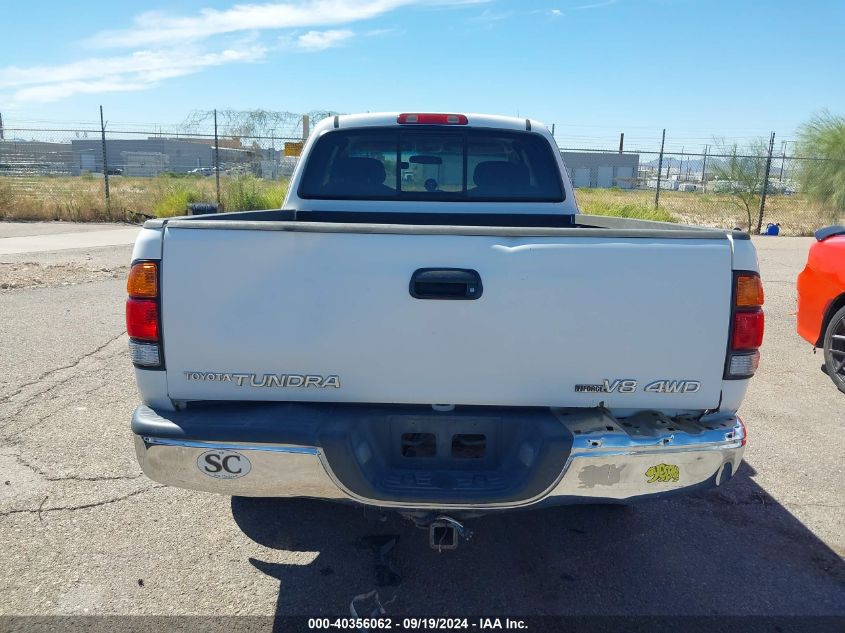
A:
(429, 325)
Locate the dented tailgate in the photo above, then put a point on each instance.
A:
(566, 321)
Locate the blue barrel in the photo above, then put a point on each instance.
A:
(772, 229)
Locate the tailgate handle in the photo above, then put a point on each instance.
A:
(445, 283)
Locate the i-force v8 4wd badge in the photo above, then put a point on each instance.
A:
(629, 385)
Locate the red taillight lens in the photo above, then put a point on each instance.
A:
(142, 319)
(432, 119)
(748, 330)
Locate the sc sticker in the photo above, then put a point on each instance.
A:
(223, 464)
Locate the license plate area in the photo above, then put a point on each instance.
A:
(469, 455)
(416, 445)
(469, 445)
(444, 441)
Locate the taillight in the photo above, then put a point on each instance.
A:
(143, 318)
(748, 291)
(748, 330)
(143, 280)
(746, 327)
(428, 118)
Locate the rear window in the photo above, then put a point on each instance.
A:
(432, 164)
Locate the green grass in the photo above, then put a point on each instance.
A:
(176, 200)
(237, 193)
(796, 214)
(248, 193)
(629, 210)
(82, 199)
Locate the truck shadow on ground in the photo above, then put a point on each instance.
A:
(732, 550)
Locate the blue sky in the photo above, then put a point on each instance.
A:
(733, 68)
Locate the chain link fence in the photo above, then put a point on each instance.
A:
(127, 172)
(243, 160)
(720, 186)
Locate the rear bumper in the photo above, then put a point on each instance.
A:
(294, 450)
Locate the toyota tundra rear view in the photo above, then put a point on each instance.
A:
(430, 325)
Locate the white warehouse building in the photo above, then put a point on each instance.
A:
(602, 169)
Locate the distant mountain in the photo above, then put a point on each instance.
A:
(693, 165)
(673, 162)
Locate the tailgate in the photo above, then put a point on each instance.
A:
(328, 316)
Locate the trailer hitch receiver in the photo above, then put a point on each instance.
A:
(444, 533)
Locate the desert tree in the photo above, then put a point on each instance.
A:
(821, 173)
(742, 171)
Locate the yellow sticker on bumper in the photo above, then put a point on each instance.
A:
(663, 473)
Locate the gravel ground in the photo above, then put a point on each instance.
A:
(61, 267)
(28, 273)
(83, 532)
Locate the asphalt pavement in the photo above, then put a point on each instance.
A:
(84, 532)
(38, 237)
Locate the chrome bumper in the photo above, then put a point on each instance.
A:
(275, 470)
(643, 457)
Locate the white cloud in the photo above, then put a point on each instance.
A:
(169, 45)
(380, 32)
(141, 63)
(137, 71)
(555, 13)
(321, 40)
(161, 28)
(63, 89)
(596, 5)
(492, 16)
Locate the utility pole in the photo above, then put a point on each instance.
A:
(621, 141)
(782, 152)
(2, 134)
(306, 127)
(216, 158)
(105, 160)
(765, 186)
(704, 170)
(659, 170)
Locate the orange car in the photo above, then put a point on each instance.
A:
(821, 300)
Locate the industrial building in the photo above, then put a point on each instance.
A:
(602, 169)
(18, 157)
(150, 156)
(137, 157)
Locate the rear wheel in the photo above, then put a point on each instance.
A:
(834, 349)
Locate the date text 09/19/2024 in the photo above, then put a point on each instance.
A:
(386, 623)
